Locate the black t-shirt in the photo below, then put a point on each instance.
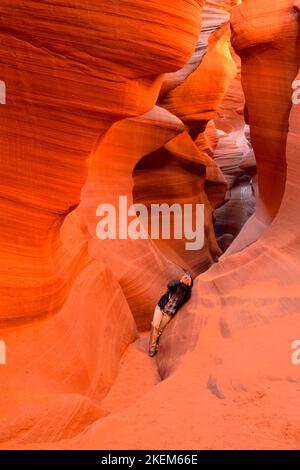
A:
(173, 286)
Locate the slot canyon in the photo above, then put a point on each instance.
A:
(162, 101)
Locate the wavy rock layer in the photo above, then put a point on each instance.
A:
(137, 265)
(245, 308)
(226, 358)
(70, 74)
(68, 78)
(183, 170)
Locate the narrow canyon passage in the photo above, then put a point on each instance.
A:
(158, 102)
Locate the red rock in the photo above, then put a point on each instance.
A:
(229, 381)
(69, 76)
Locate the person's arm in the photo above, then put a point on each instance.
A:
(188, 293)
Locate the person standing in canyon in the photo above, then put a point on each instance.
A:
(178, 293)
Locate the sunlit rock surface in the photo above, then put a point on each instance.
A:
(69, 76)
(90, 116)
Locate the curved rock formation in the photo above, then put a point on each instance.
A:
(69, 76)
(245, 309)
(269, 51)
(137, 265)
(225, 361)
(67, 81)
(234, 155)
(192, 95)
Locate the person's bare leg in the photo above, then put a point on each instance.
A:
(154, 332)
(153, 342)
(163, 322)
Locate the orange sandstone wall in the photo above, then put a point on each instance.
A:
(81, 108)
(69, 76)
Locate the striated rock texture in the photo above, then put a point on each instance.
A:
(139, 268)
(69, 76)
(88, 119)
(234, 155)
(170, 174)
(244, 316)
(262, 49)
